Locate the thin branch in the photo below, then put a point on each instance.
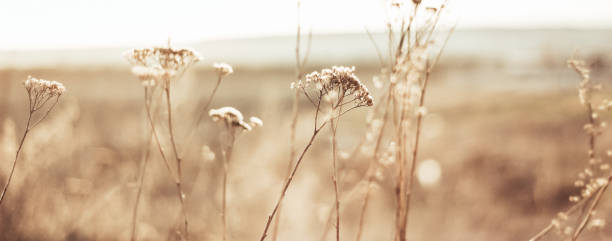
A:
(10, 177)
(417, 138)
(550, 226)
(591, 209)
(143, 168)
(334, 127)
(154, 130)
(294, 114)
(178, 162)
(227, 155)
(289, 180)
(307, 53)
(201, 115)
(378, 52)
(46, 113)
(364, 205)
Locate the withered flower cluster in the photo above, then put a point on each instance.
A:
(336, 84)
(232, 118)
(40, 91)
(154, 64)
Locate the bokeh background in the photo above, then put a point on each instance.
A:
(505, 125)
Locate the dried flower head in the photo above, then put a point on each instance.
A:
(160, 63)
(148, 76)
(230, 116)
(339, 81)
(223, 69)
(43, 87)
(255, 122)
(40, 91)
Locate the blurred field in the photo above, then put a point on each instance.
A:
(508, 136)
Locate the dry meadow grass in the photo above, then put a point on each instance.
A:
(508, 160)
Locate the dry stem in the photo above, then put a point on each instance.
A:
(148, 103)
(227, 156)
(34, 106)
(178, 161)
(569, 211)
(201, 115)
(334, 128)
(294, 116)
(371, 165)
(591, 209)
(290, 177)
(143, 169)
(25, 134)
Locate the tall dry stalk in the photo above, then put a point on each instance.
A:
(222, 70)
(299, 69)
(145, 161)
(158, 68)
(39, 93)
(593, 180)
(289, 179)
(141, 177)
(234, 125)
(410, 61)
(371, 166)
(328, 88)
(178, 159)
(334, 128)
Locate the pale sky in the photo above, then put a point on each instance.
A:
(51, 24)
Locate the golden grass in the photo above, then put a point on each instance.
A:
(105, 168)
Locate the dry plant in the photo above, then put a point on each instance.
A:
(39, 92)
(327, 92)
(410, 62)
(233, 124)
(158, 68)
(595, 178)
(223, 70)
(299, 69)
(408, 68)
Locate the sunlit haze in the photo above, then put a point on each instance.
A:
(40, 24)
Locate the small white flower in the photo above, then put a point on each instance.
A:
(256, 122)
(223, 69)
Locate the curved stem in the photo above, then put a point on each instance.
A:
(364, 207)
(46, 113)
(25, 134)
(143, 168)
(589, 213)
(415, 149)
(156, 137)
(289, 180)
(201, 115)
(372, 164)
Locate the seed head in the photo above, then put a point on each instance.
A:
(43, 88)
(160, 63)
(340, 81)
(255, 122)
(148, 76)
(230, 116)
(223, 69)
